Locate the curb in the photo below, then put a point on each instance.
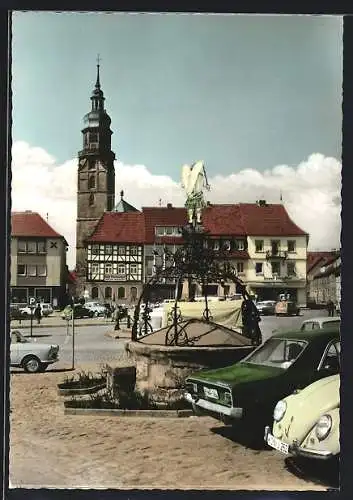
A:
(56, 325)
(129, 413)
(119, 334)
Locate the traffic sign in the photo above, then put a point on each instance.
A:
(32, 300)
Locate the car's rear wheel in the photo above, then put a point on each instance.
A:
(31, 364)
(95, 314)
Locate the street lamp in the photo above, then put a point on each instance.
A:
(32, 307)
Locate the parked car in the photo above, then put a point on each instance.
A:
(16, 313)
(266, 307)
(307, 423)
(45, 308)
(248, 391)
(320, 322)
(79, 312)
(33, 357)
(315, 324)
(287, 308)
(97, 308)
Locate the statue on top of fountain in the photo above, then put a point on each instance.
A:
(194, 180)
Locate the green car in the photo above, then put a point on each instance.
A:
(248, 391)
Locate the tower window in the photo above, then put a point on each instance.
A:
(91, 182)
(93, 137)
(91, 200)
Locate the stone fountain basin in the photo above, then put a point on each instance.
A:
(161, 369)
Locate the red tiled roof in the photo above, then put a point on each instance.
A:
(120, 227)
(219, 220)
(162, 216)
(223, 220)
(267, 220)
(314, 258)
(31, 224)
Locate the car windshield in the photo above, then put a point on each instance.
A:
(280, 353)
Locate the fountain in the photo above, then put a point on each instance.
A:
(194, 336)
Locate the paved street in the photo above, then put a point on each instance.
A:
(93, 345)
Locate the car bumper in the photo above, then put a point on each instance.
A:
(296, 450)
(208, 406)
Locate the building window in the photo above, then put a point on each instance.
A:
(95, 249)
(91, 182)
(108, 249)
(121, 250)
(226, 245)
(275, 246)
(108, 292)
(95, 269)
(133, 293)
(121, 269)
(95, 292)
(133, 268)
(241, 245)
(32, 270)
(41, 247)
(159, 231)
(216, 245)
(291, 268)
(259, 268)
(108, 269)
(31, 247)
(93, 137)
(133, 250)
(21, 270)
(169, 231)
(259, 246)
(240, 267)
(41, 270)
(22, 246)
(291, 245)
(91, 200)
(276, 269)
(121, 292)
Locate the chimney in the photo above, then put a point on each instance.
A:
(169, 205)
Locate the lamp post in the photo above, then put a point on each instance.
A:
(73, 334)
(31, 319)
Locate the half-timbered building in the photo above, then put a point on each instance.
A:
(115, 257)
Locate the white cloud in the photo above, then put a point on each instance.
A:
(311, 191)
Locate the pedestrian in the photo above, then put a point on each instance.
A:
(38, 313)
(330, 308)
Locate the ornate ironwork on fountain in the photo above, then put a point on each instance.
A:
(194, 262)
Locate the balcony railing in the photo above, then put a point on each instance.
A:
(276, 254)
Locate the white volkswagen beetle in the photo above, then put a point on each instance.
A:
(33, 357)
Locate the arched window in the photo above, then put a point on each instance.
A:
(91, 182)
(91, 199)
(121, 292)
(108, 292)
(95, 292)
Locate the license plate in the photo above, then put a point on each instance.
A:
(210, 393)
(277, 444)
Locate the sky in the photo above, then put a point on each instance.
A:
(258, 98)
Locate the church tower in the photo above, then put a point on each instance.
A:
(96, 175)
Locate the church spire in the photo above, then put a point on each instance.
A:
(98, 83)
